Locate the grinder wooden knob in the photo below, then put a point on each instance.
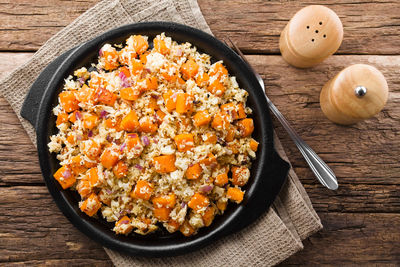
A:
(313, 34)
(356, 93)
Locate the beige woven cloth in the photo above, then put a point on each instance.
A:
(273, 238)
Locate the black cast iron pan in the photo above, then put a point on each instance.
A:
(268, 172)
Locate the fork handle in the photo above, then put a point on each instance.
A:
(324, 174)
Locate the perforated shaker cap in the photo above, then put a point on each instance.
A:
(313, 34)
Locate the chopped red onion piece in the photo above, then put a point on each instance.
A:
(109, 191)
(81, 80)
(124, 80)
(90, 134)
(103, 114)
(101, 52)
(78, 115)
(122, 147)
(179, 52)
(105, 174)
(155, 140)
(145, 140)
(148, 70)
(138, 166)
(206, 188)
(124, 222)
(183, 204)
(154, 96)
(132, 135)
(109, 138)
(66, 174)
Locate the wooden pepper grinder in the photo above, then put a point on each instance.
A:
(313, 34)
(356, 93)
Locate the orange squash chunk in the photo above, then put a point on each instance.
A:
(160, 46)
(162, 214)
(68, 101)
(186, 229)
(130, 122)
(110, 59)
(77, 165)
(202, 79)
(210, 138)
(65, 177)
(218, 70)
(124, 221)
(120, 170)
(235, 194)
(125, 56)
(109, 158)
(153, 104)
(90, 121)
(230, 135)
(173, 226)
(240, 175)
(91, 205)
(189, 69)
(91, 149)
(132, 140)
(160, 116)
(152, 83)
(71, 139)
(170, 100)
(113, 123)
(201, 118)
(220, 121)
(246, 127)
(143, 190)
(62, 118)
(184, 142)
(209, 160)
(85, 94)
(168, 201)
(139, 44)
(253, 145)
(208, 216)
(221, 179)
(193, 172)
(165, 164)
(221, 205)
(84, 189)
(198, 202)
(148, 125)
(216, 88)
(105, 97)
(130, 93)
(184, 103)
(93, 176)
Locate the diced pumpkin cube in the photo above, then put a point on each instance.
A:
(184, 103)
(170, 100)
(189, 69)
(148, 125)
(221, 179)
(110, 59)
(83, 187)
(76, 115)
(93, 176)
(198, 202)
(230, 135)
(109, 158)
(210, 138)
(167, 201)
(65, 177)
(125, 56)
(62, 118)
(220, 121)
(71, 138)
(162, 214)
(120, 170)
(216, 88)
(114, 123)
(169, 73)
(143, 57)
(221, 205)
(160, 115)
(85, 94)
(160, 46)
(153, 104)
(123, 226)
(91, 149)
(208, 216)
(246, 127)
(240, 175)
(68, 101)
(105, 97)
(165, 163)
(201, 118)
(186, 229)
(218, 70)
(241, 112)
(253, 145)
(202, 79)
(235, 111)
(140, 44)
(96, 81)
(130, 93)
(194, 172)
(143, 190)
(91, 205)
(132, 141)
(90, 121)
(125, 70)
(77, 165)
(172, 226)
(184, 142)
(235, 194)
(210, 160)
(130, 122)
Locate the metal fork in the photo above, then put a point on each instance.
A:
(324, 174)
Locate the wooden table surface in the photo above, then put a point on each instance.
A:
(361, 220)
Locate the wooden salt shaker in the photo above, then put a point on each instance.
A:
(356, 93)
(313, 34)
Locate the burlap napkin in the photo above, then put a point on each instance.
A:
(273, 238)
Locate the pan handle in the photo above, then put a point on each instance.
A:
(264, 195)
(30, 107)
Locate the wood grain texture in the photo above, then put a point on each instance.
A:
(370, 26)
(361, 219)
